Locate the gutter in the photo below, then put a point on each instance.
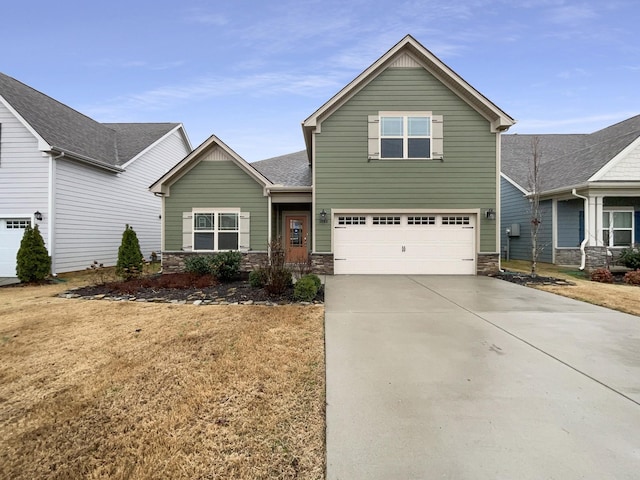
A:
(76, 156)
(583, 261)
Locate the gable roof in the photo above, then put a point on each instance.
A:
(566, 160)
(162, 186)
(78, 136)
(499, 119)
(291, 170)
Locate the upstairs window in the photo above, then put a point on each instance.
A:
(405, 137)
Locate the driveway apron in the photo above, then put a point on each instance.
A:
(466, 377)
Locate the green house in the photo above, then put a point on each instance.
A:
(400, 175)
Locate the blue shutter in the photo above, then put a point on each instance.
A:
(581, 227)
(636, 221)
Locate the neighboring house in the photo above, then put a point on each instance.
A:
(79, 180)
(597, 173)
(400, 175)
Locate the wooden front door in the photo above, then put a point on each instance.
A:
(295, 235)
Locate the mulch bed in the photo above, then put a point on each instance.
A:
(528, 279)
(185, 288)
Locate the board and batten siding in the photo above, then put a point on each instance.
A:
(466, 179)
(216, 183)
(24, 172)
(93, 206)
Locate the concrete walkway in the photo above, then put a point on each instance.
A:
(476, 378)
(8, 281)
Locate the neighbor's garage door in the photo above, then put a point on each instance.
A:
(11, 231)
(404, 244)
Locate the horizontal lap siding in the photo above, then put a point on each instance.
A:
(24, 171)
(570, 214)
(466, 179)
(93, 206)
(216, 184)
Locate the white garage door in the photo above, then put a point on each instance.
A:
(11, 231)
(424, 244)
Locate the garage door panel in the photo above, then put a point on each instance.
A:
(11, 232)
(406, 248)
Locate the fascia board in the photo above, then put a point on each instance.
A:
(615, 160)
(500, 120)
(43, 145)
(158, 142)
(514, 183)
(163, 183)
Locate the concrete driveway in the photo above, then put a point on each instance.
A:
(476, 378)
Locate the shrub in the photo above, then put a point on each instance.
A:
(305, 289)
(632, 278)
(130, 259)
(316, 280)
(602, 275)
(200, 265)
(258, 278)
(278, 276)
(630, 257)
(33, 260)
(226, 265)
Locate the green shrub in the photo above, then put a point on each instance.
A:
(33, 260)
(315, 278)
(130, 259)
(630, 257)
(200, 265)
(632, 278)
(602, 275)
(305, 289)
(226, 265)
(258, 278)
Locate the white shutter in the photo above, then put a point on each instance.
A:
(187, 230)
(244, 239)
(374, 135)
(437, 140)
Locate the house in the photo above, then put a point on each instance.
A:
(400, 175)
(79, 180)
(589, 186)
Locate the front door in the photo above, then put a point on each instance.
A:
(296, 233)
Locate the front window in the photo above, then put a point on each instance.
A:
(617, 228)
(214, 231)
(405, 136)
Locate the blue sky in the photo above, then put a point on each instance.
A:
(252, 71)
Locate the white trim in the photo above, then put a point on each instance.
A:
(42, 143)
(554, 229)
(405, 133)
(615, 161)
(159, 141)
(215, 231)
(514, 183)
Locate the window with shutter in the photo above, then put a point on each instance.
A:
(405, 135)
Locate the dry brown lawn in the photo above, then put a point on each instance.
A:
(625, 298)
(98, 389)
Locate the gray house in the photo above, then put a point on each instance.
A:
(589, 187)
(400, 175)
(79, 180)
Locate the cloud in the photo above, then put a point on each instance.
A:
(200, 15)
(109, 63)
(571, 15)
(573, 74)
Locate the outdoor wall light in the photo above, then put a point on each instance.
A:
(490, 214)
(38, 216)
(323, 216)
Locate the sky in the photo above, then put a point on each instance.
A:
(251, 71)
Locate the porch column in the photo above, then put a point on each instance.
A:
(594, 216)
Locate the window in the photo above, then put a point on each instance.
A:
(386, 220)
(421, 220)
(215, 231)
(455, 220)
(617, 228)
(407, 136)
(352, 220)
(18, 224)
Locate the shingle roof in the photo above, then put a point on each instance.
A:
(74, 133)
(566, 160)
(291, 170)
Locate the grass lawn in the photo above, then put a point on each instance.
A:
(97, 389)
(625, 298)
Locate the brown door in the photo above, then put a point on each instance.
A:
(296, 233)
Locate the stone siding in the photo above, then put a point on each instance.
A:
(488, 263)
(568, 256)
(596, 258)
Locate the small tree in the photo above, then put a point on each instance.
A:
(33, 260)
(130, 259)
(534, 203)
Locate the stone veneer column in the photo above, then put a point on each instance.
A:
(488, 263)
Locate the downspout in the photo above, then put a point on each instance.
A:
(586, 226)
(51, 220)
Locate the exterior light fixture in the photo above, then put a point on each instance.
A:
(323, 216)
(38, 216)
(490, 214)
